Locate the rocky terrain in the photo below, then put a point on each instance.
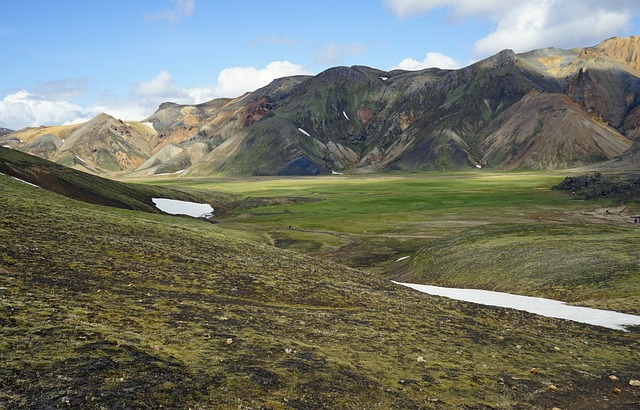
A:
(544, 109)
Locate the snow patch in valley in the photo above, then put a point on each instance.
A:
(170, 173)
(539, 306)
(81, 160)
(22, 180)
(304, 132)
(26, 182)
(345, 115)
(401, 259)
(175, 207)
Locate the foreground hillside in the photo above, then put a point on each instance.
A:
(94, 189)
(109, 308)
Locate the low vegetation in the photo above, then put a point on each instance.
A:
(587, 264)
(102, 307)
(619, 187)
(95, 189)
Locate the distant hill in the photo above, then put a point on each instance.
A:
(101, 145)
(92, 188)
(544, 109)
(4, 131)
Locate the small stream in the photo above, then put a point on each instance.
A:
(539, 306)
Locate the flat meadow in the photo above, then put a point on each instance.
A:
(491, 230)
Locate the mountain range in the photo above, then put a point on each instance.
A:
(544, 109)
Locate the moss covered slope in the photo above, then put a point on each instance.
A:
(109, 308)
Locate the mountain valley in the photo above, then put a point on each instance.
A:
(518, 173)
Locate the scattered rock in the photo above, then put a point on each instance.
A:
(229, 341)
(534, 370)
(613, 378)
(635, 383)
(617, 390)
(288, 350)
(552, 387)
(420, 359)
(556, 408)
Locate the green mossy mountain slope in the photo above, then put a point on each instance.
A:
(92, 188)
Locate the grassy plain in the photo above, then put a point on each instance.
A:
(499, 231)
(112, 308)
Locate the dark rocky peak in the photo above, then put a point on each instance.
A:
(166, 105)
(505, 58)
(343, 74)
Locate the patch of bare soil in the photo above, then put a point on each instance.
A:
(621, 215)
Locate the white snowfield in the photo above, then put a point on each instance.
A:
(22, 180)
(539, 306)
(304, 132)
(175, 207)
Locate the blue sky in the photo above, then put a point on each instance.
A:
(66, 61)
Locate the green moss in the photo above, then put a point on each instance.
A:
(106, 161)
(114, 308)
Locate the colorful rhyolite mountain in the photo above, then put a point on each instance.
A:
(544, 109)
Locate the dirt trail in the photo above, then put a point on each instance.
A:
(616, 215)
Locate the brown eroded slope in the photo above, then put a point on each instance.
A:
(549, 131)
(623, 50)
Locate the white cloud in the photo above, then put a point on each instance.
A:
(231, 82)
(546, 23)
(66, 89)
(23, 109)
(523, 26)
(160, 87)
(432, 59)
(411, 8)
(332, 53)
(181, 9)
(235, 81)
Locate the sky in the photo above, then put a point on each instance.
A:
(66, 61)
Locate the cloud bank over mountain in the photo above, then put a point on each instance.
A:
(28, 109)
(183, 52)
(523, 26)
